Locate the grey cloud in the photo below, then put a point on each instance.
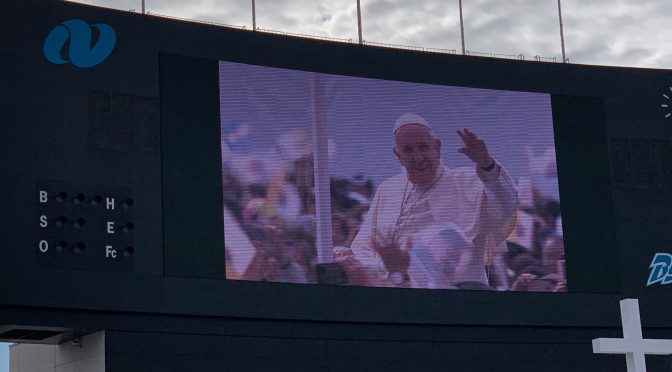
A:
(515, 27)
(633, 52)
(617, 32)
(378, 8)
(121, 4)
(580, 55)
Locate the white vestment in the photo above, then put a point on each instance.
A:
(451, 229)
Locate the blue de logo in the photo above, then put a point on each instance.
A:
(81, 53)
(661, 269)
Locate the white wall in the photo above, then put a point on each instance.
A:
(90, 357)
(4, 357)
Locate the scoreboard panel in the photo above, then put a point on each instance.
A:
(112, 175)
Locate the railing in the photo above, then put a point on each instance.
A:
(409, 47)
(519, 57)
(395, 46)
(544, 59)
(479, 54)
(193, 20)
(326, 38)
(438, 50)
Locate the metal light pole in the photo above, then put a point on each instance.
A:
(562, 35)
(143, 6)
(462, 28)
(254, 17)
(359, 22)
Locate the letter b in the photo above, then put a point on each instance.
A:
(660, 269)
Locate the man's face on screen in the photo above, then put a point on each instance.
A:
(419, 152)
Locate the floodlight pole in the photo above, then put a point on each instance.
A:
(359, 22)
(562, 35)
(462, 28)
(254, 17)
(143, 6)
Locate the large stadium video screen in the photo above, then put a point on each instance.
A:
(331, 179)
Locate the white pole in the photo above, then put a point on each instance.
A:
(254, 17)
(462, 28)
(324, 239)
(562, 35)
(359, 22)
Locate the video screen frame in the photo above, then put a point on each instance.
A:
(524, 262)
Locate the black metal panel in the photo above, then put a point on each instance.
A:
(100, 127)
(192, 197)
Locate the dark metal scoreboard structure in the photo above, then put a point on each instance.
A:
(112, 208)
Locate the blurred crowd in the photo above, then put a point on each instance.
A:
(270, 196)
(535, 258)
(270, 223)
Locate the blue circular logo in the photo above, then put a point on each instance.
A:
(81, 53)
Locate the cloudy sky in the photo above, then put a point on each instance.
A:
(604, 32)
